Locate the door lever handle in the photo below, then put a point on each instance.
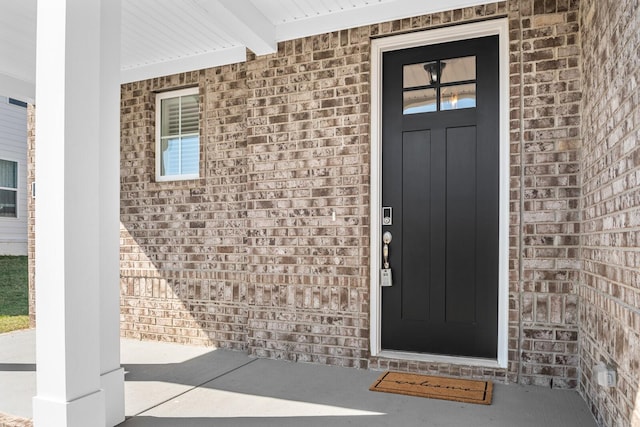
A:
(386, 239)
(385, 274)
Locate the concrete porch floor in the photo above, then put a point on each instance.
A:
(174, 385)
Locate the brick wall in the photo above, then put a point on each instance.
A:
(13, 421)
(248, 257)
(545, 135)
(610, 292)
(307, 138)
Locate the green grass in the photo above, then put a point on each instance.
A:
(13, 323)
(14, 293)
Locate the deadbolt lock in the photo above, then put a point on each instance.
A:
(387, 215)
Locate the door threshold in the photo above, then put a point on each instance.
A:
(437, 358)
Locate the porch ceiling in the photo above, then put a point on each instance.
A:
(161, 37)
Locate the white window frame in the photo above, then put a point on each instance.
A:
(159, 98)
(17, 189)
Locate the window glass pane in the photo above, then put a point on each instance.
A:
(170, 117)
(190, 114)
(8, 203)
(458, 69)
(170, 160)
(458, 97)
(419, 101)
(179, 150)
(18, 103)
(423, 74)
(8, 174)
(190, 155)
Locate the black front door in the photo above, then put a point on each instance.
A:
(440, 173)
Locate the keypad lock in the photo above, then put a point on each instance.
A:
(387, 215)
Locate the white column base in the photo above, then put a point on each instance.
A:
(83, 412)
(113, 386)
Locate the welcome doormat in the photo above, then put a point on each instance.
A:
(459, 390)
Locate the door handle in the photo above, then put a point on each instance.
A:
(386, 239)
(385, 274)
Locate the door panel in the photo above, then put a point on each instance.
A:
(460, 224)
(416, 210)
(440, 175)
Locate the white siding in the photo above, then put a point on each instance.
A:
(13, 146)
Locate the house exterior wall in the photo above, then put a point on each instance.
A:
(247, 257)
(31, 206)
(13, 147)
(610, 291)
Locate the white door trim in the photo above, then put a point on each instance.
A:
(498, 27)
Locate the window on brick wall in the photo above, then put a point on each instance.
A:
(8, 189)
(177, 135)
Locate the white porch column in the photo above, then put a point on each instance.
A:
(112, 375)
(75, 238)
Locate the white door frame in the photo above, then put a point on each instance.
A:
(404, 41)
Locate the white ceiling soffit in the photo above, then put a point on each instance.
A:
(18, 49)
(162, 37)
